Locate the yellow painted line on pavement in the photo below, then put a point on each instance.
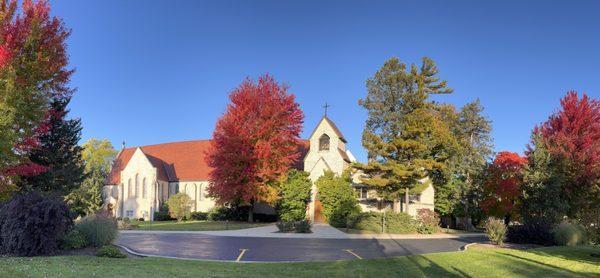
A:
(355, 255)
(241, 254)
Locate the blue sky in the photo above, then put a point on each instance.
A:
(158, 71)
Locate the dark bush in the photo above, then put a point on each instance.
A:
(569, 234)
(110, 252)
(285, 226)
(302, 227)
(235, 213)
(531, 233)
(265, 218)
(163, 213)
(339, 215)
(199, 215)
(32, 224)
(98, 229)
(73, 240)
(141, 219)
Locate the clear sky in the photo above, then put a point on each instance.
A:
(150, 72)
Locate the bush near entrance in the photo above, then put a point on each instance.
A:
(294, 196)
(337, 197)
(395, 223)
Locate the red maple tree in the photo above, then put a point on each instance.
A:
(502, 185)
(572, 135)
(33, 65)
(254, 143)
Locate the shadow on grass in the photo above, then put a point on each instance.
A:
(581, 254)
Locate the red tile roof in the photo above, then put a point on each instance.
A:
(179, 161)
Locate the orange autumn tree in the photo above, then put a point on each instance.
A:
(502, 185)
(254, 143)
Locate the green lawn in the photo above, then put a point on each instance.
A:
(194, 225)
(477, 262)
(366, 232)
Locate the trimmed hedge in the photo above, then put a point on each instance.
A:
(530, 233)
(395, 223)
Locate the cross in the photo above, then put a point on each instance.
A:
(326, 106)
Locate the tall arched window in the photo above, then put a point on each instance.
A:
(195, 197)
(144, 188)
(129, 188)
(201, 198)
(137, 186)
(324, 142)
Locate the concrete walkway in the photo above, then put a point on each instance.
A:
(319, 230)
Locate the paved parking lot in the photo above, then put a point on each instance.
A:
(255, 249)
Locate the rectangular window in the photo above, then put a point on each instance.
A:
(201, 193)
(364, 193)
(130, 214)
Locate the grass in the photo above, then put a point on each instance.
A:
(194, 225)
(476, 262)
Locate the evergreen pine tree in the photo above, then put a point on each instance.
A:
(59, 152)
(407, 142)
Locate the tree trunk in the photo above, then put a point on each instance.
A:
(467, 219)
(507, 219)
(406, 200)
(251, 212)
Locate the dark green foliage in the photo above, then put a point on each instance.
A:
(109, 251)
(98, 229)
(569, 234)
(302, 226)
(198, 215)
(233, 213)
(428, 222)
(395, 223)
(337, 197)
(73, 240)
(590, 220)
(265, 218)
(542, 198)
(534, 233)
(163, 213)
(59, 152)
(32, 224)
(294, 196)
(285, 226)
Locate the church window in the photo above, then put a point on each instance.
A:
(363, 193)
(201, 192)
(129, 188)
(137, 186)
(324, 142)
(144, 188)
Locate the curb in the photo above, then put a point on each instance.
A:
(466, 246)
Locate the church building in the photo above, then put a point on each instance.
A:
(144, 177)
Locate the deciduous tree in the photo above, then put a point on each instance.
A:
(254, 143)
(502, 187)
(33, 70)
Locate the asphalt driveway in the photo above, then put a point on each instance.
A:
(255, 249)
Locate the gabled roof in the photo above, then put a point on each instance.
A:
(333, 126)
(179, 161)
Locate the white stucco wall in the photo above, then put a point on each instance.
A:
(138, 200)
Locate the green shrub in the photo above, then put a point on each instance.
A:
(302, 227)
(98, 230)
(163, 213)
(110, 252)
(218, 213)
(395, 223)
(399, 223)
(285, 226)
(295, 195)
(73, 240)
(569, 234)
(198, 215)
(428, 221)
(590, 221)
(337, 197)
(180, 206)
(495, 230)
(366, 221)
